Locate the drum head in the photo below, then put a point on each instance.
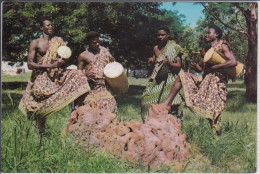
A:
(64, 52)
(113, 70)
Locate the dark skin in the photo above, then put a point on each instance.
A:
(211, 37)
(37, 50)
(87, 56)
(163, 38)
(39, 47)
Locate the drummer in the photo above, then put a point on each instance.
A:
(206, 96)
(51, 87)
(93, 62)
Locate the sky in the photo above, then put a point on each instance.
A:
(192, 11)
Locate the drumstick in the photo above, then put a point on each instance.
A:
(193, 55)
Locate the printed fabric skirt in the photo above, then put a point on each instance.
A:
(102, 99)
(47, 93)
(206, 97)
(157, 92)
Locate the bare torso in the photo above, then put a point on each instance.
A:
(157, 50)
(85, 58)
(37, 50)
(41, 48)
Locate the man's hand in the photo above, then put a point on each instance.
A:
(56, 64)
(151, 60)
(165, 60)
(193, 65)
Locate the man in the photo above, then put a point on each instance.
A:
(93, 62)
(51, 87)
(206, 96)
(167, 64)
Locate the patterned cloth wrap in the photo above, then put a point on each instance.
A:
(52, 89)
(206, 95)
(161, 81)
(99, 95)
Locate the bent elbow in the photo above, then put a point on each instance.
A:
(30, 66)
(178, 68)
(234, 63)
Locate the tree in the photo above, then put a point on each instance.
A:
(127, 29)
(224, 13)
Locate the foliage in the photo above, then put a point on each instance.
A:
(239, 20)
(127, 29)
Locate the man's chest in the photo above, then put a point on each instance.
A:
(43, 47)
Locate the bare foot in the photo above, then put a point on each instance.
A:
(167, 107)
(218, 132)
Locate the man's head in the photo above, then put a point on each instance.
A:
(163, 34)
(214, 32)
(47, 27)
(93, 40)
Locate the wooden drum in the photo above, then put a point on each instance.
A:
(215, 57)
(116, 77)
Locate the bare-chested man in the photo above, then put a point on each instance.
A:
(206, 96)
(51, 86)
(93, 62)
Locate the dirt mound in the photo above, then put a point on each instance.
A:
(159, 140)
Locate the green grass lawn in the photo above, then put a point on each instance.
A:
(16, 78)
(23, 150)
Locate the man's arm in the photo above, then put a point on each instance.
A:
(81, 61)
(31, 55)
(151, 60)
(177, 65)
(230, 59)
(198, 67)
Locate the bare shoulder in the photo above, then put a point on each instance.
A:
(35, 42)
(155, 48)
(225, 47)
(83, 55)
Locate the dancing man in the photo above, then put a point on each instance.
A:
(93, 62)
(167, 64)
(206, 96)
(51, 86)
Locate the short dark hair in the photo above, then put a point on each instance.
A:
(164, 28)
(217, 30)
(43, 20)
(90, 35)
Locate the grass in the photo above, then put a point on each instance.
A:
(24, 150)
(16, 78)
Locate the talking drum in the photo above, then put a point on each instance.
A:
(116, 77)
(64, 52)
(215, 57)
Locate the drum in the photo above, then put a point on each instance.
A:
(64, 52)
(215, 57)
(116, 77)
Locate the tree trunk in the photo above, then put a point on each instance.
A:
(251, 61)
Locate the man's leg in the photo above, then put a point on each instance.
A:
(174, 90)
(215, 125)
(40, 123)
(79, 101)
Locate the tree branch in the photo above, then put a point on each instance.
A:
(242, 10)
(239, 22)
(226, 25)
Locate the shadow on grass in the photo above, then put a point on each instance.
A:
(10, 101)
(236, 100)
(132, 96)
(14, 85)
(236, 85)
